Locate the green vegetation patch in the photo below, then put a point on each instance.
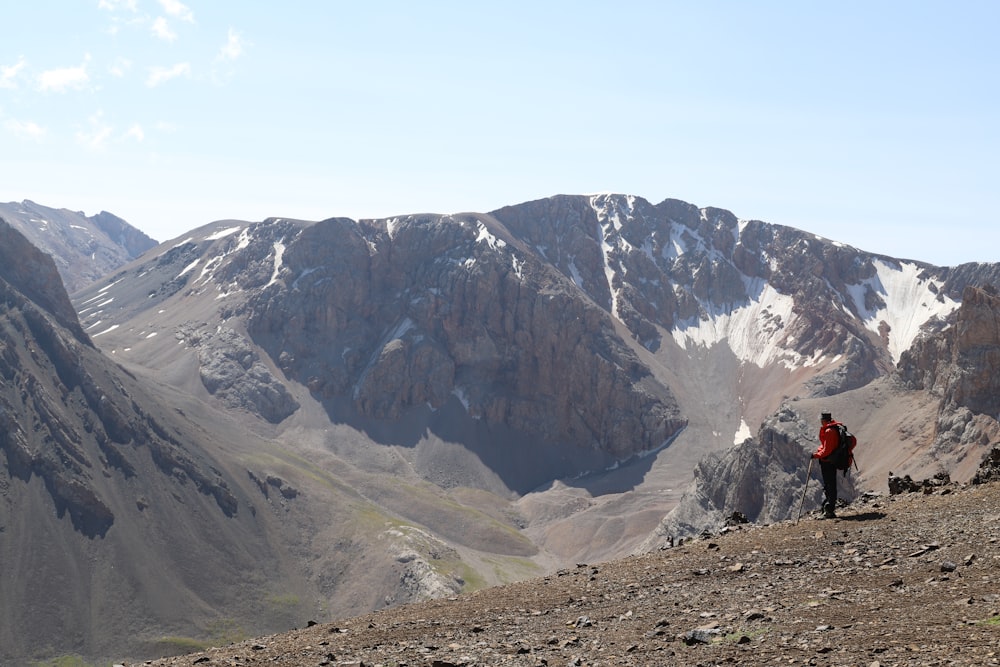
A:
(64, 661)
(179, 645)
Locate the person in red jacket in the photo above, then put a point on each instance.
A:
(829, 439)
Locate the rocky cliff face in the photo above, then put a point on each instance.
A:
(37, 280)
(672, 268)
(958, 364)
(419, 311)
(84, 248)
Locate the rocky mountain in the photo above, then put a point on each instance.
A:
(84, 248)
(429, 404)
(936, 413)
(119, 524)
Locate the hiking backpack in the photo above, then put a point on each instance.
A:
(843, 456)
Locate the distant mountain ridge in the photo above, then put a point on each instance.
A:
(85, 248)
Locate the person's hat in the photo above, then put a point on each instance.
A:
(826, 416)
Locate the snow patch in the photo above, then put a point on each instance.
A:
(391, 226)
(109, 329)
(279, 253)
(223, 233)
(189, 267)
(463, 398)
(244, 239)
(518, 265)
(208, 270)
(742, 433)
(909, 303)
(607, 224)
(108, 286)
(489, 239)
(753, 331)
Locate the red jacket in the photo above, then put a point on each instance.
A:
(829, 438)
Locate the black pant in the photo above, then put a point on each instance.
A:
(829, 471)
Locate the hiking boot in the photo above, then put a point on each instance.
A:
(828, 512)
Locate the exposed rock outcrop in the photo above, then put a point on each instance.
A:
(959, 364)
(761, 479)
(232, 371)
(37, 280)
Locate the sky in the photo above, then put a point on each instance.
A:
(876, 124)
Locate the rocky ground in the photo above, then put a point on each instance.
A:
(908, 579)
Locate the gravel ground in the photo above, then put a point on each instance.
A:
(911, 579)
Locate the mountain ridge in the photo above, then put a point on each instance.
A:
(428, 404)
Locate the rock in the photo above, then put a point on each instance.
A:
(700, 636)
(763, 477)
(940, 482)
(232, 371)
(956, 365)
(903, 484)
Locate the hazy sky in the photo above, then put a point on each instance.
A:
(872, 123)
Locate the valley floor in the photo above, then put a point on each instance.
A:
(904, 580)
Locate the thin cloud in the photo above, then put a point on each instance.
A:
(96, 136)
(162, 30)
(178, 10)
(120, 67)
(25, 129)
(233, 49)
(160, 75)
(67, 78)
(135, 132)
(115, 5)
(9, 73)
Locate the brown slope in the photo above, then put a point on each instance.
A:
(900, 580)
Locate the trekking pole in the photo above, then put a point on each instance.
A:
(804, 487)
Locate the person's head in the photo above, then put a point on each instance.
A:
(826, 417)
